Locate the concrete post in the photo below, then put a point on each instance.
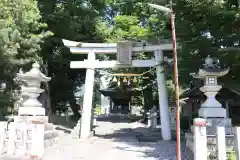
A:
(200, 139)
(87, 100)
(11, 149)
(37, 148)
(163, 97)
(237, 141)
(221, 143)
(3, 126)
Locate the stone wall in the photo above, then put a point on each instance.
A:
(20, 138)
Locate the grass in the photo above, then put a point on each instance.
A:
(98, 110)
(231, 156)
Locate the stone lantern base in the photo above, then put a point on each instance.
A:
(213, 112)
(33, 111)
(50, 133)
(37, 114)
(215, 122)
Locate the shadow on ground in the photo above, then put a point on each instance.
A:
(143, 142)
(68, 123)
(114, 119)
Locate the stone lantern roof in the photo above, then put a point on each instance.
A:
(34, 73)
(211, 67)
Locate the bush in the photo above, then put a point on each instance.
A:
(97, 109)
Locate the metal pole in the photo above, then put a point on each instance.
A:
(172, 16)
(175, 65)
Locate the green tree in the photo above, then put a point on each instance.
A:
(73, 20)
(208, 28)
(21, 35)
(132, 20)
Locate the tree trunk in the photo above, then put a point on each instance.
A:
(47, 97)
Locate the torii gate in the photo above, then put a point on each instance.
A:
(118, 48)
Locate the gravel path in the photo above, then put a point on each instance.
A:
(115, 140)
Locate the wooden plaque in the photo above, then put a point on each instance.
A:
(124, 52)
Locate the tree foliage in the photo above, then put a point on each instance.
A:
(208, 28)
(21, 35)
(72, 20)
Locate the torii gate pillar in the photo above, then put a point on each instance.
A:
(163, 97)
(87, 100)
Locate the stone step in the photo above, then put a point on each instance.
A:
(49, 126)
(50, 134)
(50, 142)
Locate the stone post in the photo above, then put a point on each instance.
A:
(3, 126)
(11, 147)
(154, 120)
(200, 139)
(237, 141)
(153, 116)
(221, 143)
(149, 124)
(163, 97)
(37, 147)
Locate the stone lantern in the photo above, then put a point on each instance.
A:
(211, 109)
(210, 71)
(31, 106)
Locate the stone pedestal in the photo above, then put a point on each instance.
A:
(50, 133)
(211, 107)
(152, 120)
(172, 117)
(31, 111)
(76, 130)
(214, 122)
(212, 112)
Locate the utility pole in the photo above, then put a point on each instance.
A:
(175, 66)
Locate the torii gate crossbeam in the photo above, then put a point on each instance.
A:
(91, 63)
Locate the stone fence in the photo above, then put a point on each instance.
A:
(21, 139)
(214, 147)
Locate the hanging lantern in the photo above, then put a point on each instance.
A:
(134, 80)
(125, 80)
(114, 79)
